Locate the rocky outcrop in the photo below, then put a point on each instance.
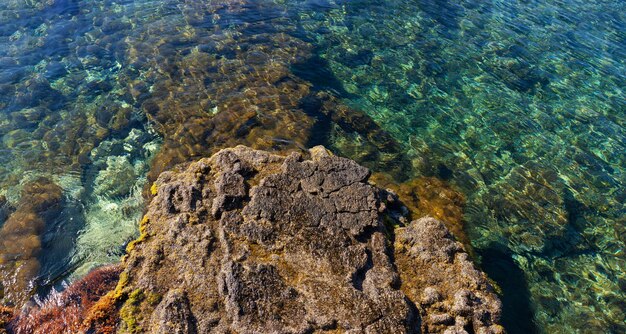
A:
(250, 242)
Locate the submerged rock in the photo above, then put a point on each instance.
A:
(20, 239)
(251, 242)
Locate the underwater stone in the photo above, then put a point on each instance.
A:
(20, 243)
(429, 196)
(27, 118)
(55, 70)
(36, 91)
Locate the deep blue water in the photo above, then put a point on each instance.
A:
(519, 104)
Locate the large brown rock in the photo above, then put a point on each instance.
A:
(250, 242)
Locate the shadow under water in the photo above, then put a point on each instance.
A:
(517, 311)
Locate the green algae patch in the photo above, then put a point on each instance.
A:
(130, 312)
(119, 292)
(133, 308)
(153, 299)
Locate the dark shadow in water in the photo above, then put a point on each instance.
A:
(517, 312)
(322, 127)
(570, 242)
(58, 242)
(317, 71)
(64, 7)
(443, 172)
(446, 13)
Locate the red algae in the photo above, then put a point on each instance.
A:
(103, 316)
(64, 312)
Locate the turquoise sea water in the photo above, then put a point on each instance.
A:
(519, 104)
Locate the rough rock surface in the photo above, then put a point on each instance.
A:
(250, 242)
(438, 276)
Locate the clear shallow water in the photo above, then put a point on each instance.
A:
(521, 105)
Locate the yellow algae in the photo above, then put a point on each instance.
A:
(130, 312)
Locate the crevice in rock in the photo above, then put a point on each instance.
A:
(414, 321)
(366, 234)
(360, 274)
